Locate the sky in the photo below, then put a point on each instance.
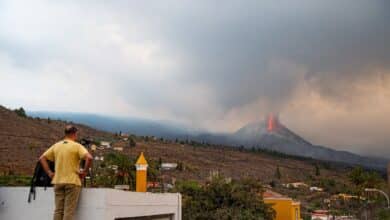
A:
(322, 66)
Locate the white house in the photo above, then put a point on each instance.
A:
(168, 166)
(316, 189)
(95, 203)
(118, 148)
(105, 144)
(296, 185)
(321, 215)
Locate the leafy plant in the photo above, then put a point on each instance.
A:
(21, 112)
(15, 180)
(125, 172)
(221, 199)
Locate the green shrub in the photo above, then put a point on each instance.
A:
(14, 180)
(21, 112)
(221, 199)
(384, 214)
(132, 143)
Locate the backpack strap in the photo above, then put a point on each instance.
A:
(32, 191)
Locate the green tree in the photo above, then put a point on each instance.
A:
(180, 166)
(357, 176)
(278, 175)
(159, 162)
(125, 173)
(21, 112)
(365, 179)
(132, 143)
(384, 214)
(222, 199)
(317, 169)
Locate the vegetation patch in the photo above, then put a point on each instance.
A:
(222, 199)
(15, 180)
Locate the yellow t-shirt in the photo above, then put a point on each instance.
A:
(66, 155)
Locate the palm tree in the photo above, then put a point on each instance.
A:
(125, 169)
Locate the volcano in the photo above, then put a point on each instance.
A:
(272, 135)
(269, 132)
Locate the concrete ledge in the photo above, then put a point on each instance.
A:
(95, 203)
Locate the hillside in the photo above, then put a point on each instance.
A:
(23, 139)
(137, 126)
(199, 161)
(269, 134)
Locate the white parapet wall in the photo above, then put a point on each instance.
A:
(95, 203)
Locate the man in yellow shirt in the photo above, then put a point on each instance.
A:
(66, 155)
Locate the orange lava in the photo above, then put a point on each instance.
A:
(271, 123)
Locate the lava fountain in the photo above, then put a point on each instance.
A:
(271, 123)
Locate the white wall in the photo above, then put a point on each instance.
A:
(95, 203)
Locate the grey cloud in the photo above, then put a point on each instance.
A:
(333, 46)
(207, 61)
(230, 46)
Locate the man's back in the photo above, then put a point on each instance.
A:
(66, 154)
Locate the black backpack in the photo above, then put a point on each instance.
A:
(40, 178)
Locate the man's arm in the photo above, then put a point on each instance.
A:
(45, 166)
(88, 161)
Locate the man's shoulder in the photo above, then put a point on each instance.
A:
(75, 143)
(68, 142)
(61, 142)
(57, 143)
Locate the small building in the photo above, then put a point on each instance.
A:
(296, 185)
(285, 207)
(118, 148)
(168, 166)
(153, 184)
(321, 215)
(316, 189)
(105, 144)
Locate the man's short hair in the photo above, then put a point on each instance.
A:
(70, 129)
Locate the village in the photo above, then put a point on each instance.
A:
(162, 179)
